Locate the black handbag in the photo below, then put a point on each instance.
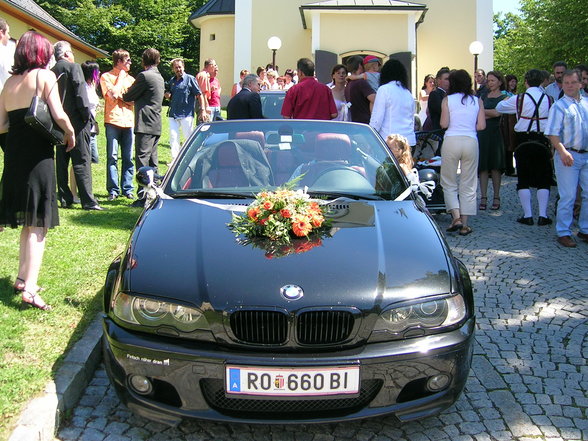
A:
(40, 119)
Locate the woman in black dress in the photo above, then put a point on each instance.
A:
(491, 163)
(27, 188)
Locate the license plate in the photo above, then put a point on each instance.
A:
(290, 382)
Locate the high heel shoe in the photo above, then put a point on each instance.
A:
(483, 203)
(33, 302)
(495, 204)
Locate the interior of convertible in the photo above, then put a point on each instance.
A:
(250, 156)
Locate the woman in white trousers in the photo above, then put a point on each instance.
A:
(462, 114)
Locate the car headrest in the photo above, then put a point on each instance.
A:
(253, 135)
(333, 147)
(227, 155)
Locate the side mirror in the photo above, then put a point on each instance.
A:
(428, 174)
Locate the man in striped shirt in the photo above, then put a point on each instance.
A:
(567, 128)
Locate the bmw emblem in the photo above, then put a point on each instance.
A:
(291, 292)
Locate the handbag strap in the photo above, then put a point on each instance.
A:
(50, 90)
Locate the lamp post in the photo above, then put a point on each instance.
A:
(274, 43)
(476, 48)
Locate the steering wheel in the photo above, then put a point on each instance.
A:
(335, 176)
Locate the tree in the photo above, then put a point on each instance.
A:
(134, 25)
(546, 31)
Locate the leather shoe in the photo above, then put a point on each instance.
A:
(566, 241)
(544, 221)
(94, 208)
(583, 236)
(525, 220)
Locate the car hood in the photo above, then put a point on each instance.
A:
(379, 253)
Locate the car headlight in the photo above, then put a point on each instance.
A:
(155, 313)
(438, 313)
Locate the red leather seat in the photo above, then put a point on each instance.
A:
(332, 147)
(253, 135)
(227, 171)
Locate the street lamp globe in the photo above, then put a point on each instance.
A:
(274, 43)
(476, 47)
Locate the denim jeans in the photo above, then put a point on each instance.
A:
(94, 148)
(568, 179)
(215, 113)
(119, 137)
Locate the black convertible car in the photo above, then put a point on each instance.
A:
(373, 317)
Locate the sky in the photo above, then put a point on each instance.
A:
(505, 6)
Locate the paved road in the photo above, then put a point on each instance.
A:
(529, 379)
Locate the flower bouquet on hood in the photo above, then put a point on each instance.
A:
(281, 215)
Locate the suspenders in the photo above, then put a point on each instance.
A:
(535, 117)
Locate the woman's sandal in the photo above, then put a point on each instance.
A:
(464, 231)
(19, 286)
(483, 205)
(34, 303)
(455, 225)
(495, 204)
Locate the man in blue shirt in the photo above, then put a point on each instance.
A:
(554, 90)
(182, 90)
(567, 128)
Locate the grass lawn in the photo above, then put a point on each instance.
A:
(78, 252)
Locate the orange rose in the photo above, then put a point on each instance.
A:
(285, 213)
(317, 221)
(268, 205)
(253, 213)
(301, 226)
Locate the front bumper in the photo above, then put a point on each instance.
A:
(188, 378)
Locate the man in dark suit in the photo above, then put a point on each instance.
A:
(147, 93)
(435, 97)
(246, 104)
(77, 107)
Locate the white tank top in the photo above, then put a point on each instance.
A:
(462, 116)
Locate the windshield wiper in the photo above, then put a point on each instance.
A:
(211, 194)
(339, 194)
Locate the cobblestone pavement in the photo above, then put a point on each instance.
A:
(529, 378)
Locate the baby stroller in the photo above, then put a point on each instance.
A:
(427, 159)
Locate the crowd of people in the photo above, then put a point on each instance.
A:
(545, 130)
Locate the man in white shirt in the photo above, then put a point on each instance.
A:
(554, 89)
(7, 47)
(534, 158)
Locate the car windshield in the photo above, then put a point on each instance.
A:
(240, 158)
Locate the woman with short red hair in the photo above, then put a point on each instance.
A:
(27, 189)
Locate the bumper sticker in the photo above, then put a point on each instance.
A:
(148, 360)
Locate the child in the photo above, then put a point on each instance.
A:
(401, 150)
